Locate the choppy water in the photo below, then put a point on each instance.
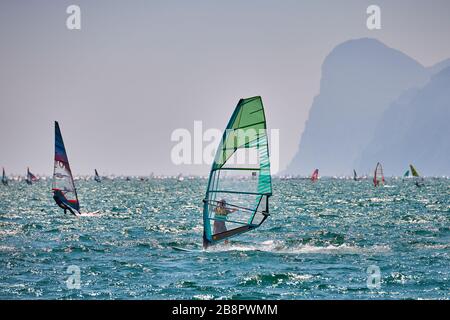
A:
(317, 244)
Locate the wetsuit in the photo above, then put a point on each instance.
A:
(60, 201)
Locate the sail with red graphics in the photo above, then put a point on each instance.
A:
(65, 193)
(378, 176)
(315, 175)
(30, 177)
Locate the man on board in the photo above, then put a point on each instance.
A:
(60, 200)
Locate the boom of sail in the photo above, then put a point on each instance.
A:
(240, 184)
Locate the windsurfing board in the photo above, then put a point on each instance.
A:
(186, 249)
(90, 214)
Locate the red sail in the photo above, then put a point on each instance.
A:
(378, 175)
(315, 175)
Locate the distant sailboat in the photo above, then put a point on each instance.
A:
(97, 177)
(30, 177)
(4, 178)
(378, 176)
(315, 175)
(418, 179)
(235, 202)
(355, 176)
(64, 191)
(406, 175)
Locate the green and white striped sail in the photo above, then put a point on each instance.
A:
(240, 181)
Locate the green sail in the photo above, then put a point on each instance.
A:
(414, 171)
(240, 183)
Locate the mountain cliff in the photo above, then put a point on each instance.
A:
(415, 129)
(360, 80)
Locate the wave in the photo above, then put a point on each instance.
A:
(275, 279)
(280, 247)
(91, 214)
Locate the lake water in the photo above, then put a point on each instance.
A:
(322, 241)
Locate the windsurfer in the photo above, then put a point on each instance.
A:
(221, 211)
(59, 199)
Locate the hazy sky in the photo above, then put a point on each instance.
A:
(137, 70)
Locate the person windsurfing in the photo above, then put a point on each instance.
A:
(63, 186)
(378, 174)
(61, 201)
(221, 212)
(315, 175)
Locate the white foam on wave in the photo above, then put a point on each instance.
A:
(7, 248)
(341, 249)
(203, 297)
(8, 232)
(91, 214)
(280, 247)
(291, 278)
(433, 246)
(377, 200)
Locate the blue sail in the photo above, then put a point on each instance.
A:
(4, 178)
(97, 177)
(30, 177)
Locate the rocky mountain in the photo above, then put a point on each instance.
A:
(360, 80)
(415, 129)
